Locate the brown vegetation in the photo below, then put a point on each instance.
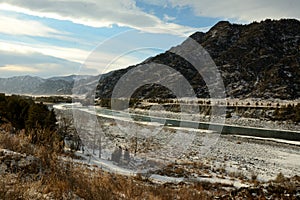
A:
(64, 179)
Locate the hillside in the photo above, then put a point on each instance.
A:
(259, 60)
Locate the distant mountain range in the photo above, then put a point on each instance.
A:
(259, 60)
(52, 86)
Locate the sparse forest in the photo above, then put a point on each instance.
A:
(36, 121)
(25, 114)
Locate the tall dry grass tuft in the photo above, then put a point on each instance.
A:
(18, 143)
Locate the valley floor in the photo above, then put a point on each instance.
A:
(233, 159)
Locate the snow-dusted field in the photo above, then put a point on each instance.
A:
(237, 156)
(232, 160)
(263, 158)
(152, 147)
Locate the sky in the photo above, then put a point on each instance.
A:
(49, 38)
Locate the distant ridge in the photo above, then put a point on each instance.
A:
(61, 85)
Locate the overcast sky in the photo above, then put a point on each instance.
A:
(62, 37)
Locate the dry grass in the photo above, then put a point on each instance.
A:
(60, 179)
(68, 182)
(18, 143)
(65, 180)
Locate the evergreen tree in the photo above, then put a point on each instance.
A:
(50, 120)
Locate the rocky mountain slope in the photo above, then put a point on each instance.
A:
(38, 86)
(259, 60)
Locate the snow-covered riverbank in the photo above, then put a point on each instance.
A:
(226, 157)
(232, 160)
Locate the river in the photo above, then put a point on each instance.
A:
(221, 128)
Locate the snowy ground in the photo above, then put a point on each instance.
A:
(266, 159)
(233, 161)
(229, 159)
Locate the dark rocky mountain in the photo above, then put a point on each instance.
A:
(63, 85)
(259, 60)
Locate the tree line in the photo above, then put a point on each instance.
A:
(35, 119)
(288, 112)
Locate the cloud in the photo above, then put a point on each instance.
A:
(15, 26)
(18, 54)
(16, 63)
(102, 13)
(45, 61)
(18, 68)
(35, 64)
(96, 13)
(105, 62)
(168, 18)
(119, 51)
(244, 11)
(71, 54)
